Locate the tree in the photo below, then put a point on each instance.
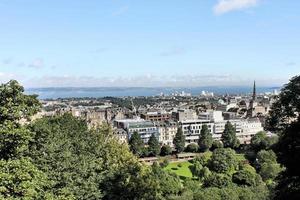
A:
(216, 144)
(165, 150)
(136, 144)
(229, 138)
(218, 180)
(205, 139)
(244, 177)
(223, 160)
(72, 157)
(265, 157)
(153, 146)
(286, 107)
(285, 120)
(261, 141)
(88, 164)
(14, 106)
(193, 147)
(169, 184)
(196, 169)
(19, 177)
(179, 141)
(269, 171)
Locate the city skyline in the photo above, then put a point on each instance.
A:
(149, 44)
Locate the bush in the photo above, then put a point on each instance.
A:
(164, 163)
(165, 150)
(216, 145)
(217, 180)
(193, 148)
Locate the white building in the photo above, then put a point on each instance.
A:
(192, 128)
(245, 129)
(167, 132)
(249, 128)
(211, 115)
(186, 114)
(143, 127)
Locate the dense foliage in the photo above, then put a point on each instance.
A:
(60, 158)
(229, 138)
(205, 139)
(136, 144)
(179, 141)
(153, 146)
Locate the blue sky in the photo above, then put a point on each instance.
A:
(149, 43)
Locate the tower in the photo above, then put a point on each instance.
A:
(254, 92)
(250, 112)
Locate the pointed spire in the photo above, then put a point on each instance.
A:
(254, 92)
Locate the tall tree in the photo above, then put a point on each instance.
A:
(165, 150)
(179, 141)
(14, 106)
(136, 144)
(19, 177)
(286, 107)
(261, 141)
(229, 138)
(205, 139)
(153, 146)
(285, 119)
(223, 160)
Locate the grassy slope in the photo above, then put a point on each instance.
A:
(182, 171)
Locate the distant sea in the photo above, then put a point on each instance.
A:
(54, 93)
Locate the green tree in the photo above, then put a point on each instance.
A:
(165, 150)
(218, 180)
(286, 107)
(15, 106)
(136, 144)
(285, 120)
(205, 139)
(19, 177)
(269, 171)
(153, 146)
(193, 147)
(223, 160)
(72, 157)
(244, 177)
(216, 144)
(229, 138)
(265, 157)
(261, 141)
(196, 169)
(170, 184)
(179, 141)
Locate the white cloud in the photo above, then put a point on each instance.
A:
(5, 77)
(37, 63)
(224, 6)
(148, 80)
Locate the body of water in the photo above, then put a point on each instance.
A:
(54, 93)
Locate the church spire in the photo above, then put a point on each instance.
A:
(250, 112)
(254, 92)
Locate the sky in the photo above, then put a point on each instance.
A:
(150, 43)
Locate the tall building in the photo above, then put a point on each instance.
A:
(250, 112)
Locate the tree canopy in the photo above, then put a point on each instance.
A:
(229, 138)
(284, 119)
(205, 139)
(179, 141)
